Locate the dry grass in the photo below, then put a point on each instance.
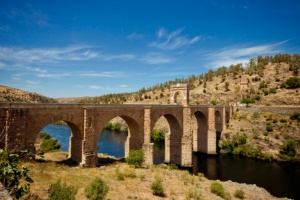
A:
(177, 184)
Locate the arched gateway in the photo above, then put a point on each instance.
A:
(21, 123)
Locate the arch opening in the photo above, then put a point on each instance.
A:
(118, 136)
(67, 134)
(158, 136)
(199, 131)
(173, 138)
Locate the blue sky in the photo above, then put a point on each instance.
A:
(89, 48)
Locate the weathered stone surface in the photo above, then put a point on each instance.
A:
(20, 125)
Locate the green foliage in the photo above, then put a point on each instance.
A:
(113, 126)
(213, 102)
(247, 101)
(288, 148)
(135, 158)
(45, 135)
(96, 189)
(12, 175)
(58, 191)
(158, 135)
(157, 188)
(293, 82)
(295, 116)
(218, 189)
(255, 115)
(235, 145)
(257, 97)
(239, 193)
(269, 127)
(50, 145)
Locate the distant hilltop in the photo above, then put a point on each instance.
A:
(8, 94)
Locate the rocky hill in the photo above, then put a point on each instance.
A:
(8, 94)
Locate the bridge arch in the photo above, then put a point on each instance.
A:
(200, 132)
(173, 139)
(135, 136)
(75, 141)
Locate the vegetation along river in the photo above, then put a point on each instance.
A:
(280, 179)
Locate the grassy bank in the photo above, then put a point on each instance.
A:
(126, 182)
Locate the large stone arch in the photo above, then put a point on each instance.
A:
(135, 138)
(200, 133)
(35, 125)
(173, 138)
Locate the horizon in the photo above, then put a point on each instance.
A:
(74, 49)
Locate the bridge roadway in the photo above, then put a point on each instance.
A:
(20, 124)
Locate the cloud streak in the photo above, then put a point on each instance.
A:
(172, 40)
(241, 54)
(156, 58)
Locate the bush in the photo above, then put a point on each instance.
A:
(288, 148)
(50, 145)
(295, 116)
(135, 158)
(293, 82)
(157, 188)
(269, 127)
(213, 102)
(239, 194)
(217, 188)
(255, 115)
(12, 175)
(158, 135)
(96, 189)
(58, 191)
(45, 135)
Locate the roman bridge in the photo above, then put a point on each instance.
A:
(20, 125)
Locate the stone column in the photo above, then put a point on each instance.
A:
(167, 147)
(211, 132)
(186, 142)
(89, 146)
(223, 119)
(147, 146)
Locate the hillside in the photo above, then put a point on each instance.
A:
(8, 94)
(264, 80)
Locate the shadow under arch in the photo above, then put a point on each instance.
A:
(75, 141)
(135, 137)
(200, 133)
(178, 97)
(173, 138)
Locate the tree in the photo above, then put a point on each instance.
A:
(293, 82)
(12, 175)
(226, 86)
(288, 148)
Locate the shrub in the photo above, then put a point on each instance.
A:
(158, 135)
(217, 188)
(269, 127)
(11, 175)
(135, 158)
(255, 115)
(157, 188)
(293, 82)
(239, 194)
(213, 102)
(276, 136)
(50, 145)
(45, 135)
(59, 191)
(288, 148)
(193, 193)
(96, 189)
(295, 116)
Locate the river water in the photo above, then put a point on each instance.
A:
(281, 180)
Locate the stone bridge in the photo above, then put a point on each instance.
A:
(21, 123)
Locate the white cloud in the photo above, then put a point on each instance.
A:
(124, 86)
(134, 36)
(173, 40)
(241, 54)
(32, 82)
(120, 56)
(155, 58)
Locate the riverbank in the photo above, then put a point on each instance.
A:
(177, 184)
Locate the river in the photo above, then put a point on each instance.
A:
(281, 180)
